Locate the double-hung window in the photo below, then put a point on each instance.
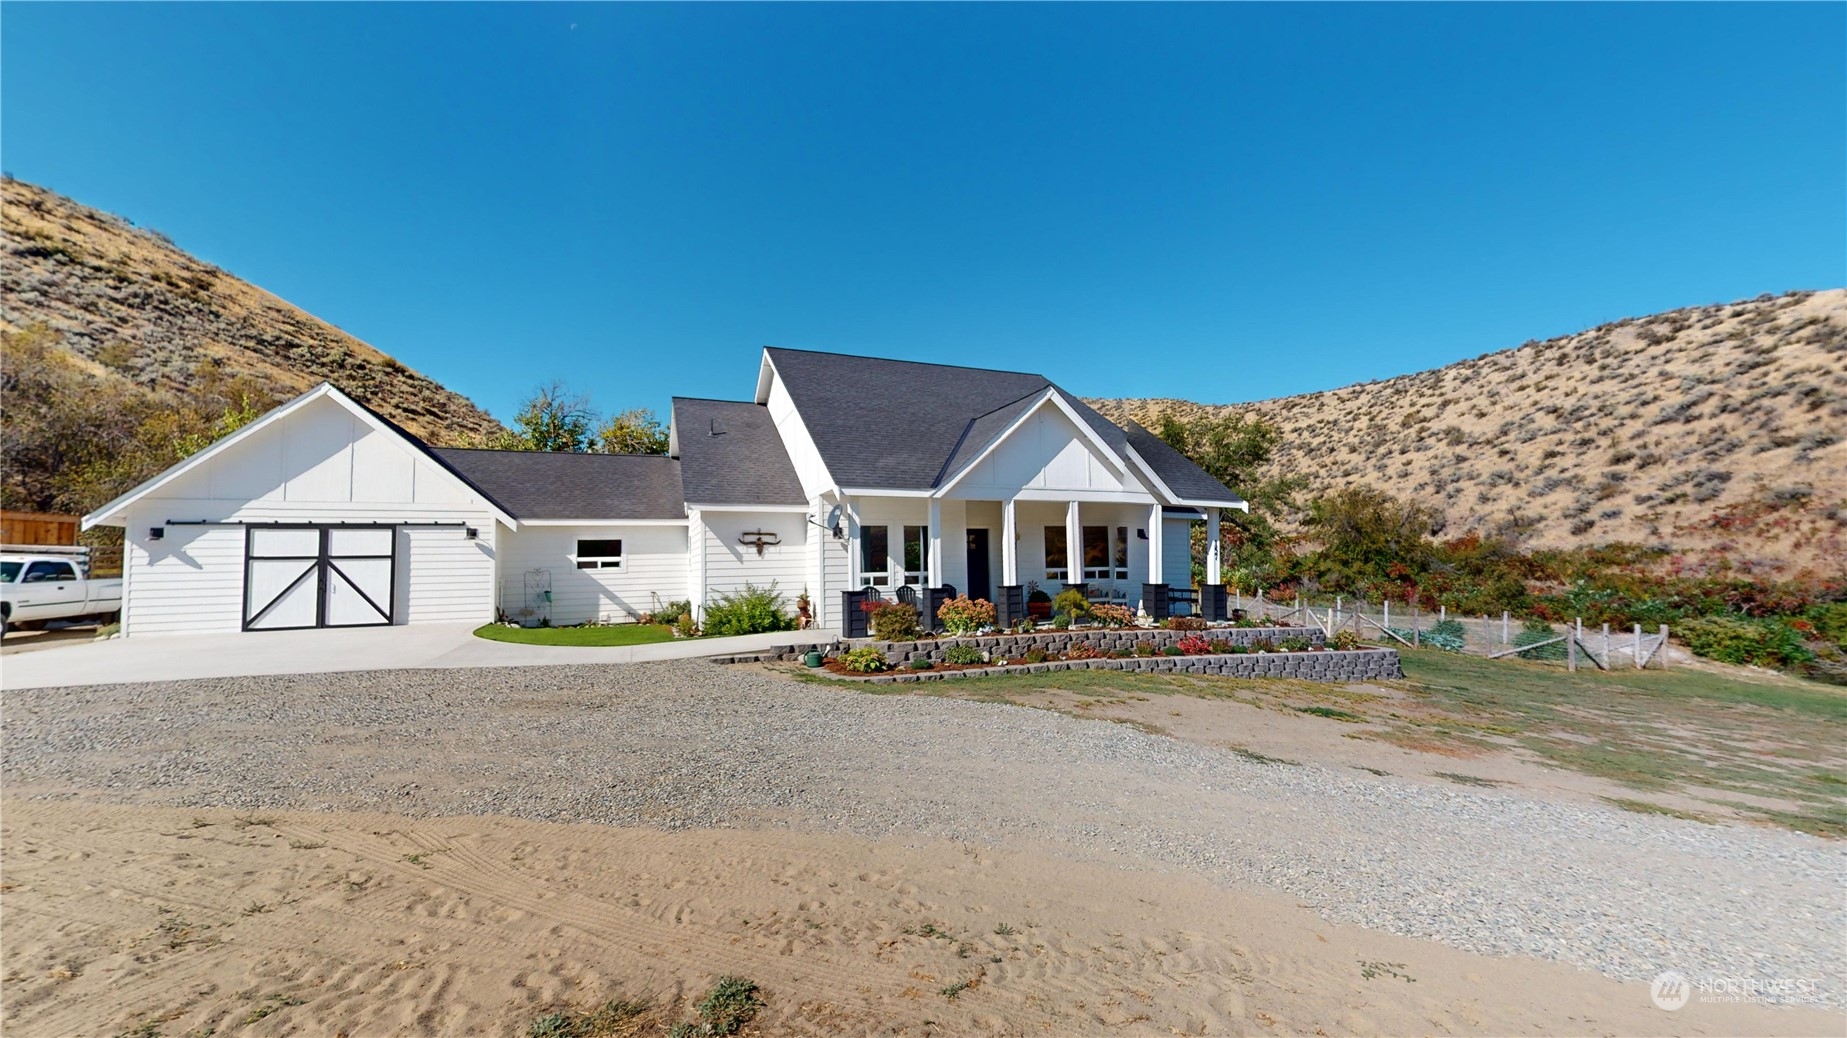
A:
(1056, 565)
(1122, 553)
(916, 552)
(598, 554)
(874, 556)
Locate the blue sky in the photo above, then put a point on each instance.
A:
(1216, 202)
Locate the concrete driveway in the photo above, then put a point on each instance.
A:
(177, 657)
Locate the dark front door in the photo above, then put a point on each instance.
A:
(978, 585)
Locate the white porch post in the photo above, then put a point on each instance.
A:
(1009, 546)
(695, 558)
(1074, 545)
(849, 516)
(1212, 547)
(933, 564)
(1154, 546)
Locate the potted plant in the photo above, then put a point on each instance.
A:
(803, 612)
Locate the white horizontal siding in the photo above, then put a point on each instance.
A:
(729, 564)
(189, 582)
(653, 574)
(192, 580)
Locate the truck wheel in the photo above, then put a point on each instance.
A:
(6, 623)
(105, 619)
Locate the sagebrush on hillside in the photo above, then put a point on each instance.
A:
(1714, 428)
(135, 326)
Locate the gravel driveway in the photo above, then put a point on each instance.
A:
(690, 744)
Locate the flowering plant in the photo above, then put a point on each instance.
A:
(965, 615)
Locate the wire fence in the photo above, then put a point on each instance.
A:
(1405, 624)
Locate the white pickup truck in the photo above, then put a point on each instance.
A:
(36, 588)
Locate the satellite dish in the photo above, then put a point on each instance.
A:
(833, 523)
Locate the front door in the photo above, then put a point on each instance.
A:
(318, 576)
(978, 584)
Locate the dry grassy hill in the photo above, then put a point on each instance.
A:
(1716, 430)
(130, 301)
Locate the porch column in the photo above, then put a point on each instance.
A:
(1154, 546)
(1009, 546)
(1074, 545)
(849, 517)
(1212, 547)
(933, 564)
(1212, 602)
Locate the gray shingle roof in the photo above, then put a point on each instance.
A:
(731, 454)
(551, 485)
(1188, 481)
(908, 425)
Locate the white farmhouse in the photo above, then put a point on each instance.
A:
(843, 476)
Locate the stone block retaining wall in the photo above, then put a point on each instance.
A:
(1355, 665)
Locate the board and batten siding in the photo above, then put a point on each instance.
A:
(325, 465)
(653, 572)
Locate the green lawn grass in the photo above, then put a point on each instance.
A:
(623, 634)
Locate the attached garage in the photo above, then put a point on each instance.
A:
(319, 514)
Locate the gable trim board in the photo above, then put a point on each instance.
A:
(933, 447)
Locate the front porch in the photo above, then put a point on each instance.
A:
(924, 549)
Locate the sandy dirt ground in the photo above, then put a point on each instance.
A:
(145, 921)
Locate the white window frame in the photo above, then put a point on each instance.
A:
(874, 577)
(1096, 572)
(1058, 573)
(915, 577)
(601, 563)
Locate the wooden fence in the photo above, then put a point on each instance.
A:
(38, 528)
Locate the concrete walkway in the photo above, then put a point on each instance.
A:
(177, 657)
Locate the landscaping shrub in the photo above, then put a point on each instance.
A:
(1446, 635)
(1193, 645)
(1534, 631)
(1263, 645)
(1761, 643)
(1184, 623)
(1110, 615)
(865, 660)
(921, 663)
(894, 622)
(965, 615)
(1071, 604)
(686, 626)
(1295, 645)
(1083, 651)
(962, 654)
(1034, 655)
(1144, 648)
(671, 612)
(753, 610)
(1346, 641)
(1219, 645)
(1171, 650)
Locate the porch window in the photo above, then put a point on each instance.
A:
(916, 549)
(874, 556)
(1096, 553)
(1057, 565)
(598, 554)
(1122, 553)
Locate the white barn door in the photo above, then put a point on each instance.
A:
(298, 577)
